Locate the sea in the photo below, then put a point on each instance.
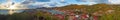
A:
(6, 11)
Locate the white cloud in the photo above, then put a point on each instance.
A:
(52, 3)
(56, 3)
(114, 1)
(62, 0)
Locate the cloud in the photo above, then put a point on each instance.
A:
(101, 1)
(57, 3)
(35, 4)
(27, 2)
(97, 1)
(114, 1)
(18, 1)
(62, 0)
(42, 0)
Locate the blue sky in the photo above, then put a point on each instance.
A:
(1, 1)
(68, 1)
(53, 3)
(65, 1)
(57, 3)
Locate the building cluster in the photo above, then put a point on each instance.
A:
(73, 14)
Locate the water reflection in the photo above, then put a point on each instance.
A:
(6, 11)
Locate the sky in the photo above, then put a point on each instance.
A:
(58, 3)
(32, 4)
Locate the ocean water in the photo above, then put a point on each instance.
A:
(5, 11)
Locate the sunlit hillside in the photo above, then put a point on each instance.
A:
(101, 11)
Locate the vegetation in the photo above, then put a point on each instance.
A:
(102, 9)
(114, 15)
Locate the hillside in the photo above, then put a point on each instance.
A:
(101, 11)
